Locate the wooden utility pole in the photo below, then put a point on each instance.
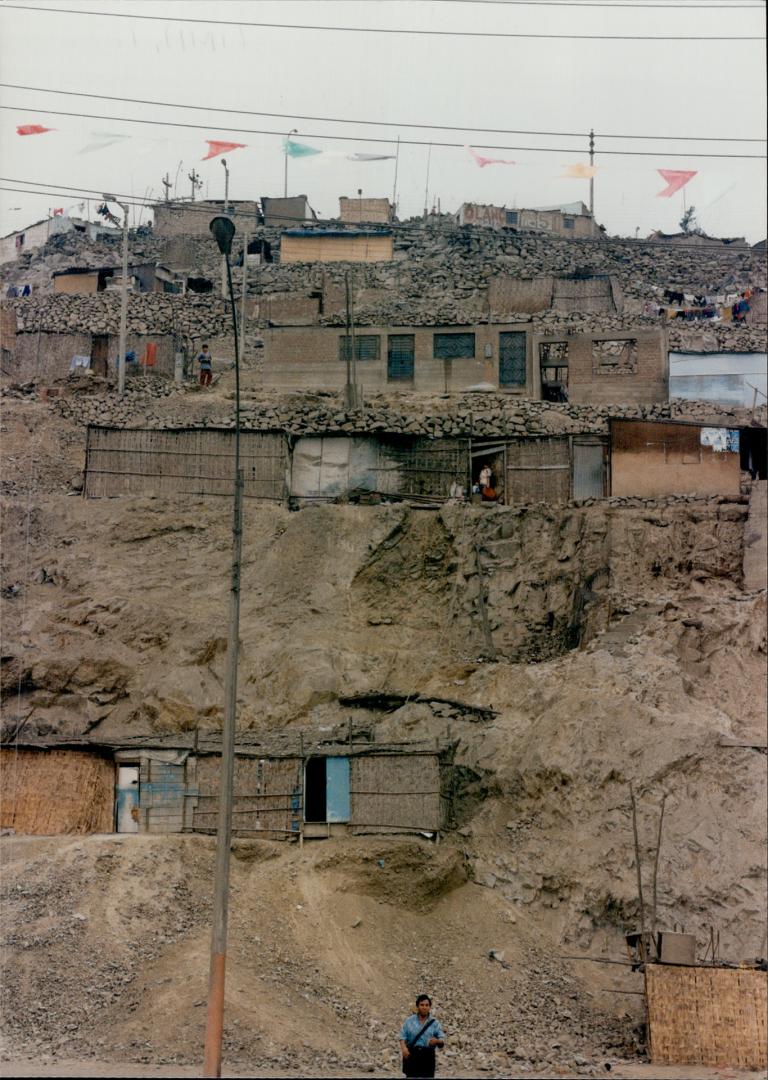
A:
(352, 394)
(215, 1020)
(591, 179)
(166, 182)
(196, 182)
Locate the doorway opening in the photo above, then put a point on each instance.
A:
(314, 790)
(127, 799)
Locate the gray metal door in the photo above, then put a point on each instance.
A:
(512, 366)
(588, 473)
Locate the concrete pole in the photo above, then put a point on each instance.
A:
(592, 179)
(215, 1021)
(243, 297)
(123, 307)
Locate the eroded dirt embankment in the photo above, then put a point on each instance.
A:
(613, 641)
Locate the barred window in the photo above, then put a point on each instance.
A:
(568, 223)
(454, 346)
(367, 347)
(512, 217)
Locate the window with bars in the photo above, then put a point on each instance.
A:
(454, 346)
(367, 347)
(568, 223)
(513, 369)
(512, 217)
(400, 355)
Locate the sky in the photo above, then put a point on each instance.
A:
(693, 97)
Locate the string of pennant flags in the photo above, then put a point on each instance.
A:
(675, 179)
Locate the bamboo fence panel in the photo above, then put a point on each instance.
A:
(393, 792)
(266, 801)
(55, 792)
(192, 461)
(708, 1016)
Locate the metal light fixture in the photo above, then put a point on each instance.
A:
(223, 230)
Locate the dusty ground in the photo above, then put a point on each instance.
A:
(622, 647)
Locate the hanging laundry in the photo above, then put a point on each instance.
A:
(676, 179)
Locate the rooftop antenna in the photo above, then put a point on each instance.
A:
(176, 181)
(166, 182)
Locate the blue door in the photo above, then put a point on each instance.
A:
(337, 789)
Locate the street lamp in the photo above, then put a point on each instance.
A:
(123, 299)
(293, 131)
(223, 230)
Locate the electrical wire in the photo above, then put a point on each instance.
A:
(389, 30)
(375, 123)
(375, 139)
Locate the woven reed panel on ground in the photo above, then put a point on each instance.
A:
(708, 1016)
(54, 792)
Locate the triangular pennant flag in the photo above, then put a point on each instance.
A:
(370, 157)
(101, 140)
(32, 129)
(217, 146)
(58, 211)
(483, 161)
(579, 172)
(676, 179)
(297, 149)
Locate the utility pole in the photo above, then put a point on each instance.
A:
(123, 300)
(223, 230)
(196, 182)
(591, 179)
(166, 182)
(293, 131)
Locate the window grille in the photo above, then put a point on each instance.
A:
(367, 347)
(454, 346)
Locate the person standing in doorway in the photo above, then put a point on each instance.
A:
(420, 1035)
(205, 360)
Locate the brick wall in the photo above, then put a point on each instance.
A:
(193, 219)
(310, 359)
(591, 380)
(48, 358)
(359, 210)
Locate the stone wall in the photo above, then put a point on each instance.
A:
(470, 415)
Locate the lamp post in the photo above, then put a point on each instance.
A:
(293, 131)
(123, 300)
(223, 230)
(226, 211)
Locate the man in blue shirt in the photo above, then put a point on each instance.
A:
(419, 1036)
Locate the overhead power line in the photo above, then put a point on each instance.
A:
(594, 4)
(374, 123)
(393, 141)
(389, 30)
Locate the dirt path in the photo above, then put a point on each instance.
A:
(90, 1067)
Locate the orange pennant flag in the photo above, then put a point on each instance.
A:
(216, 147)
(579, 172)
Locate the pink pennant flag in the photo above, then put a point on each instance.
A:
(483, 161)
(58, 211)
(32, 129)
(579, 172)
(676, 179)
(216, 147)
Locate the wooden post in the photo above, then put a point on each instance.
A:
(642, 951)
